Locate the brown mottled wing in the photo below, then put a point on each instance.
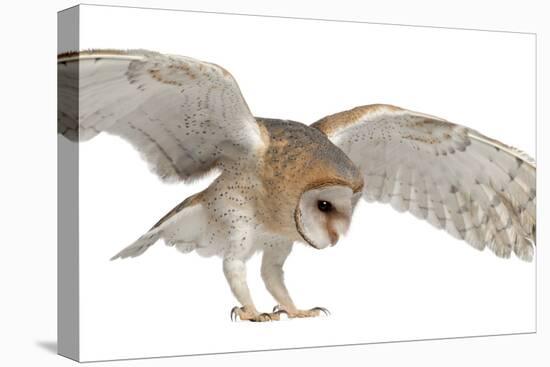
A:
(183, 115)
(474, 187)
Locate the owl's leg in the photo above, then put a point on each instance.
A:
(235, 273)
(273, 276)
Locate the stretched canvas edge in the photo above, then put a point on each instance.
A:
(68, 332)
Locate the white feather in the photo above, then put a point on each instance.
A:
(182, 228)
(476, 188)
(181, 114)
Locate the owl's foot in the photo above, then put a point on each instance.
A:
(314, 312)
(245, 313)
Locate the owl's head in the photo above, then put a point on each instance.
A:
(323, 214)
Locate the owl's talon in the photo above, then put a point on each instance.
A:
(321, 309)
(234, 313)
(246, 314)
(314, 312)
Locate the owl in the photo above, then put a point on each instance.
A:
(282, 182)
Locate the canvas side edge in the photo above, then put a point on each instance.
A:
(68, 323)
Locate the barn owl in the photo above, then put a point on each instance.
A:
(282, 182)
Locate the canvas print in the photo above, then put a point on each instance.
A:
(263, 187)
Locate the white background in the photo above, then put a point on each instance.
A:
(392, 278)
(28, 267)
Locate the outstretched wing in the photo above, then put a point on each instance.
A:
(474, 187)
(183, 115)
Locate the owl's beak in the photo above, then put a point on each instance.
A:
(334, 237)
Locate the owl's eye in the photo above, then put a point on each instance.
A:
(324, 206)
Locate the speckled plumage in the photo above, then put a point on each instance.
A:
(282, 181)
(476, 188)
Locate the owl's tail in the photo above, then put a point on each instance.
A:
(181, 227)
(140, 245)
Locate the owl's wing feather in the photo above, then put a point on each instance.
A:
(476, 188)
(182, 228)
(183, 115)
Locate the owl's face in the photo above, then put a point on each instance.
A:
(324, 214)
